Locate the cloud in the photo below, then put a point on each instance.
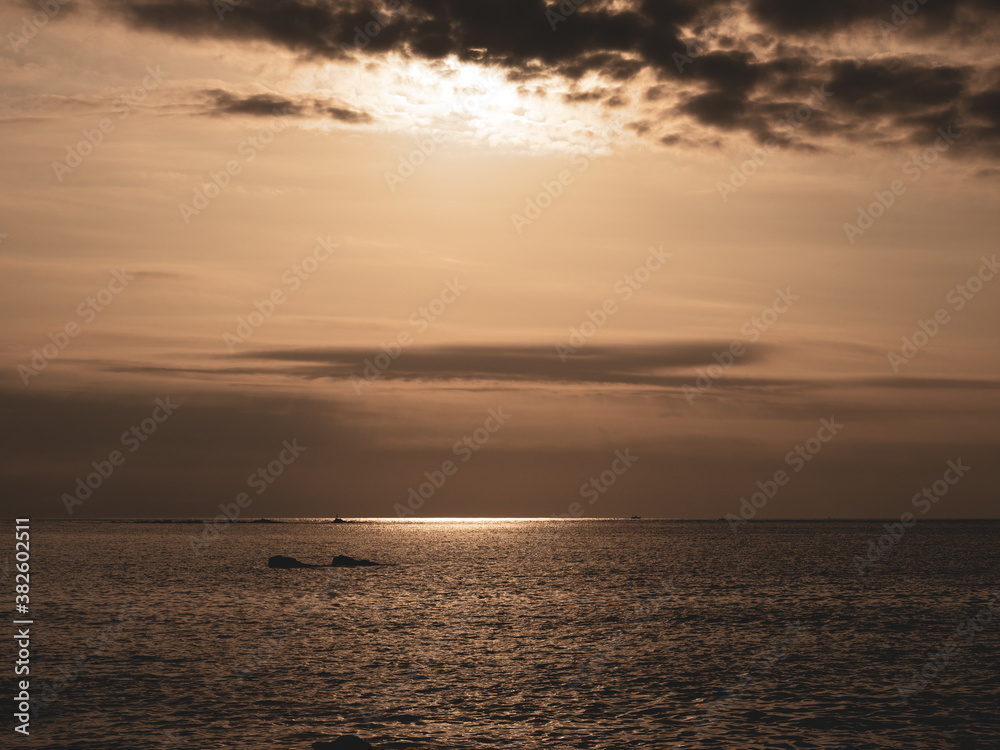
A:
(347, 115)
(894, 86)
(752, 62)
(790, 16)
(937, 17)
(669, 365)
(223, 102)
(623, 365)
(717, 108)
(986, 105)
(257, 105)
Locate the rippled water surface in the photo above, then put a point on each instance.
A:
(521, 634)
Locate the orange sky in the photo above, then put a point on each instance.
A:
(483, 199)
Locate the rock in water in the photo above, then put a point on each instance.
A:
(345, 742)
(280, 561)
(343, 561)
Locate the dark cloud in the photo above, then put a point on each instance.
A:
(611, 65)
(732, 72)
(313, 29)
(895, 86)
(511, 33)
(583, 96)
(669, 366)
(799, 103)
(926, 16)
(665, 365)
(257, 105)
(725, 82)
(718, 108)
(270, 105)
(986, 105)
(624, 365)
(812, 17)
(348, 115)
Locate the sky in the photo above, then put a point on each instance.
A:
(503, 258)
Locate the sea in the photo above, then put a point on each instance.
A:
(511, 633)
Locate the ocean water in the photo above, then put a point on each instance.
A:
(519, 633)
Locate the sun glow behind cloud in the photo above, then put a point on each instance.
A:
(466, 102)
